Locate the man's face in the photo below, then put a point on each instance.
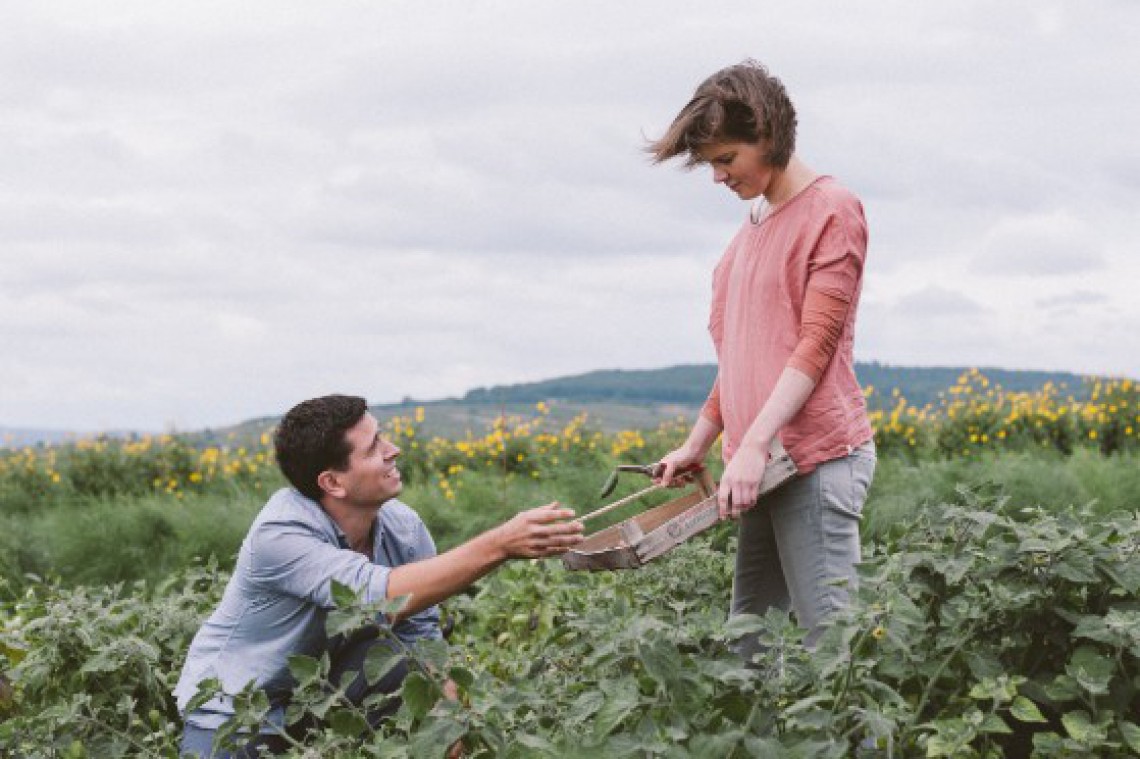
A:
(372, 476)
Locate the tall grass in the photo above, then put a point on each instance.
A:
(105, 540)
(108, 541)
(1026, 479)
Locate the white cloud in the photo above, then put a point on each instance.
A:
(1040, 245)
(212, 210)
(935, 302)
(1073, 300)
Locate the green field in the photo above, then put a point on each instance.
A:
(998, 612)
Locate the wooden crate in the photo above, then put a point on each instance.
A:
(642, 538)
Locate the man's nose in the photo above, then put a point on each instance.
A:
(719, 175)
(393, 450)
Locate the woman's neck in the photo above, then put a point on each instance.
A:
(787, 183)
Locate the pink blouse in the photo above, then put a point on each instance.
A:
(816, 241)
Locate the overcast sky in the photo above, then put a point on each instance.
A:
(212, 210)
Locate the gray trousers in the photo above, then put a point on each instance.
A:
(799, 539)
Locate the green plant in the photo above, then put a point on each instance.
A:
(1001, 618)
(93, 668)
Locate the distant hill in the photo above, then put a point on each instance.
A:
(21, 437)
(689, 384)
(922, 385)
(625, 399)
(13, 437)
(617, 399)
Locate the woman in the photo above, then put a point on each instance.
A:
(783, 321)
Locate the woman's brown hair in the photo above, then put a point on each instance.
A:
(741, 103)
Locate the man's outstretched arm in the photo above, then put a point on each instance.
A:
(531, 534)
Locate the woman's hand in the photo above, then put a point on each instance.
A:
(538, 533)
(672, 462)
(691, 453)
(740, 484)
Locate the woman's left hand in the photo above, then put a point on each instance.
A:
(740, 484)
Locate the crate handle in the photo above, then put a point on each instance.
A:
(619, 502)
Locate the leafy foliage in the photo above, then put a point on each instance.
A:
(981, 630)
(93, 668)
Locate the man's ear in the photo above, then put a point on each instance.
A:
(329, 482)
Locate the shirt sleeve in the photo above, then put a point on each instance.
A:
(821, 326)
(835, 265)
(711, 409)
(290, 557)
(423, 624)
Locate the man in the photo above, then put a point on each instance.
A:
(340, 521)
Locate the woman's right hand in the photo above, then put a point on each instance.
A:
(674, 461)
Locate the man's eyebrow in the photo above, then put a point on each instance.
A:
(375, 442)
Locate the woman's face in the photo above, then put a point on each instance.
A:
(740, 166)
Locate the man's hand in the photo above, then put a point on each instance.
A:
(451, 693)
(538, 533)
(450, 690)
(531, 534)
(740, 484)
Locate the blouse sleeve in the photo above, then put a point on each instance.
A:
(835, 268)
(835, 265)
(822, 324)
(711, 409)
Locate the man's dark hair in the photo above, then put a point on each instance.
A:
(311, 438)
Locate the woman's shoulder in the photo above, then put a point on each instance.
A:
(829, 194)
(833, 204)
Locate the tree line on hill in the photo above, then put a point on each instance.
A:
(689, 384)
(684, 385)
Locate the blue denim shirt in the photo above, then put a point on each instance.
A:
(275, 603)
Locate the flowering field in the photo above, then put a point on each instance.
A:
(975, 416)
(972, 418)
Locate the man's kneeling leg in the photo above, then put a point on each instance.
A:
(198, 742)
(348, 656)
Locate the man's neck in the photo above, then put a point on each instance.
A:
(356, 522)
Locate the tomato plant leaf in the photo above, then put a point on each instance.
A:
(419, 694)
(1025, 710)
